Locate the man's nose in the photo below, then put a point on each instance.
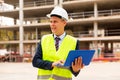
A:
(52, 23)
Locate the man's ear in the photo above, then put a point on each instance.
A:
(65, 22)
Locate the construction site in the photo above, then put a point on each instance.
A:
(95, 23)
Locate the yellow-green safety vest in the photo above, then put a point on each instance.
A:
(49, 53)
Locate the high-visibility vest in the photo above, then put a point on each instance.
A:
(49, 53)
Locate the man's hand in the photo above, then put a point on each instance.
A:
(77, 64)
(58, 63)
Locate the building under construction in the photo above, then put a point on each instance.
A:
(95, 23)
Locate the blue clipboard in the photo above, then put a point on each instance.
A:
(86, 55)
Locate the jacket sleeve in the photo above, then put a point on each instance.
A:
(37, 59)
(75, 73)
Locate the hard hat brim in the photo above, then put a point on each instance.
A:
(50, 15)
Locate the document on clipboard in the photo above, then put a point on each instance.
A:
(86, 55)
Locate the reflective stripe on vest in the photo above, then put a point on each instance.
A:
(43, 77)
(60, 78)
(54, 77)
(49, 53)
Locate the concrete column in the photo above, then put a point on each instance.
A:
(95, 29)
(95, 43)
(95, 22)
(95, 10)
(55, 2)
(36, 32)
(60, 3)
(21, 31)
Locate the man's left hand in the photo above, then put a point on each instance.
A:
(77, 65)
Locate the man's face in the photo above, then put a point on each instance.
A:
(57, 25)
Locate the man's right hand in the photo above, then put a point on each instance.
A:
(58, 63)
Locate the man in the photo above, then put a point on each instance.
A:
(52, 51)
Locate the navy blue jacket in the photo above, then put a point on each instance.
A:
(39, 63)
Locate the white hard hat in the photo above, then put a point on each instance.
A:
(59, 11)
